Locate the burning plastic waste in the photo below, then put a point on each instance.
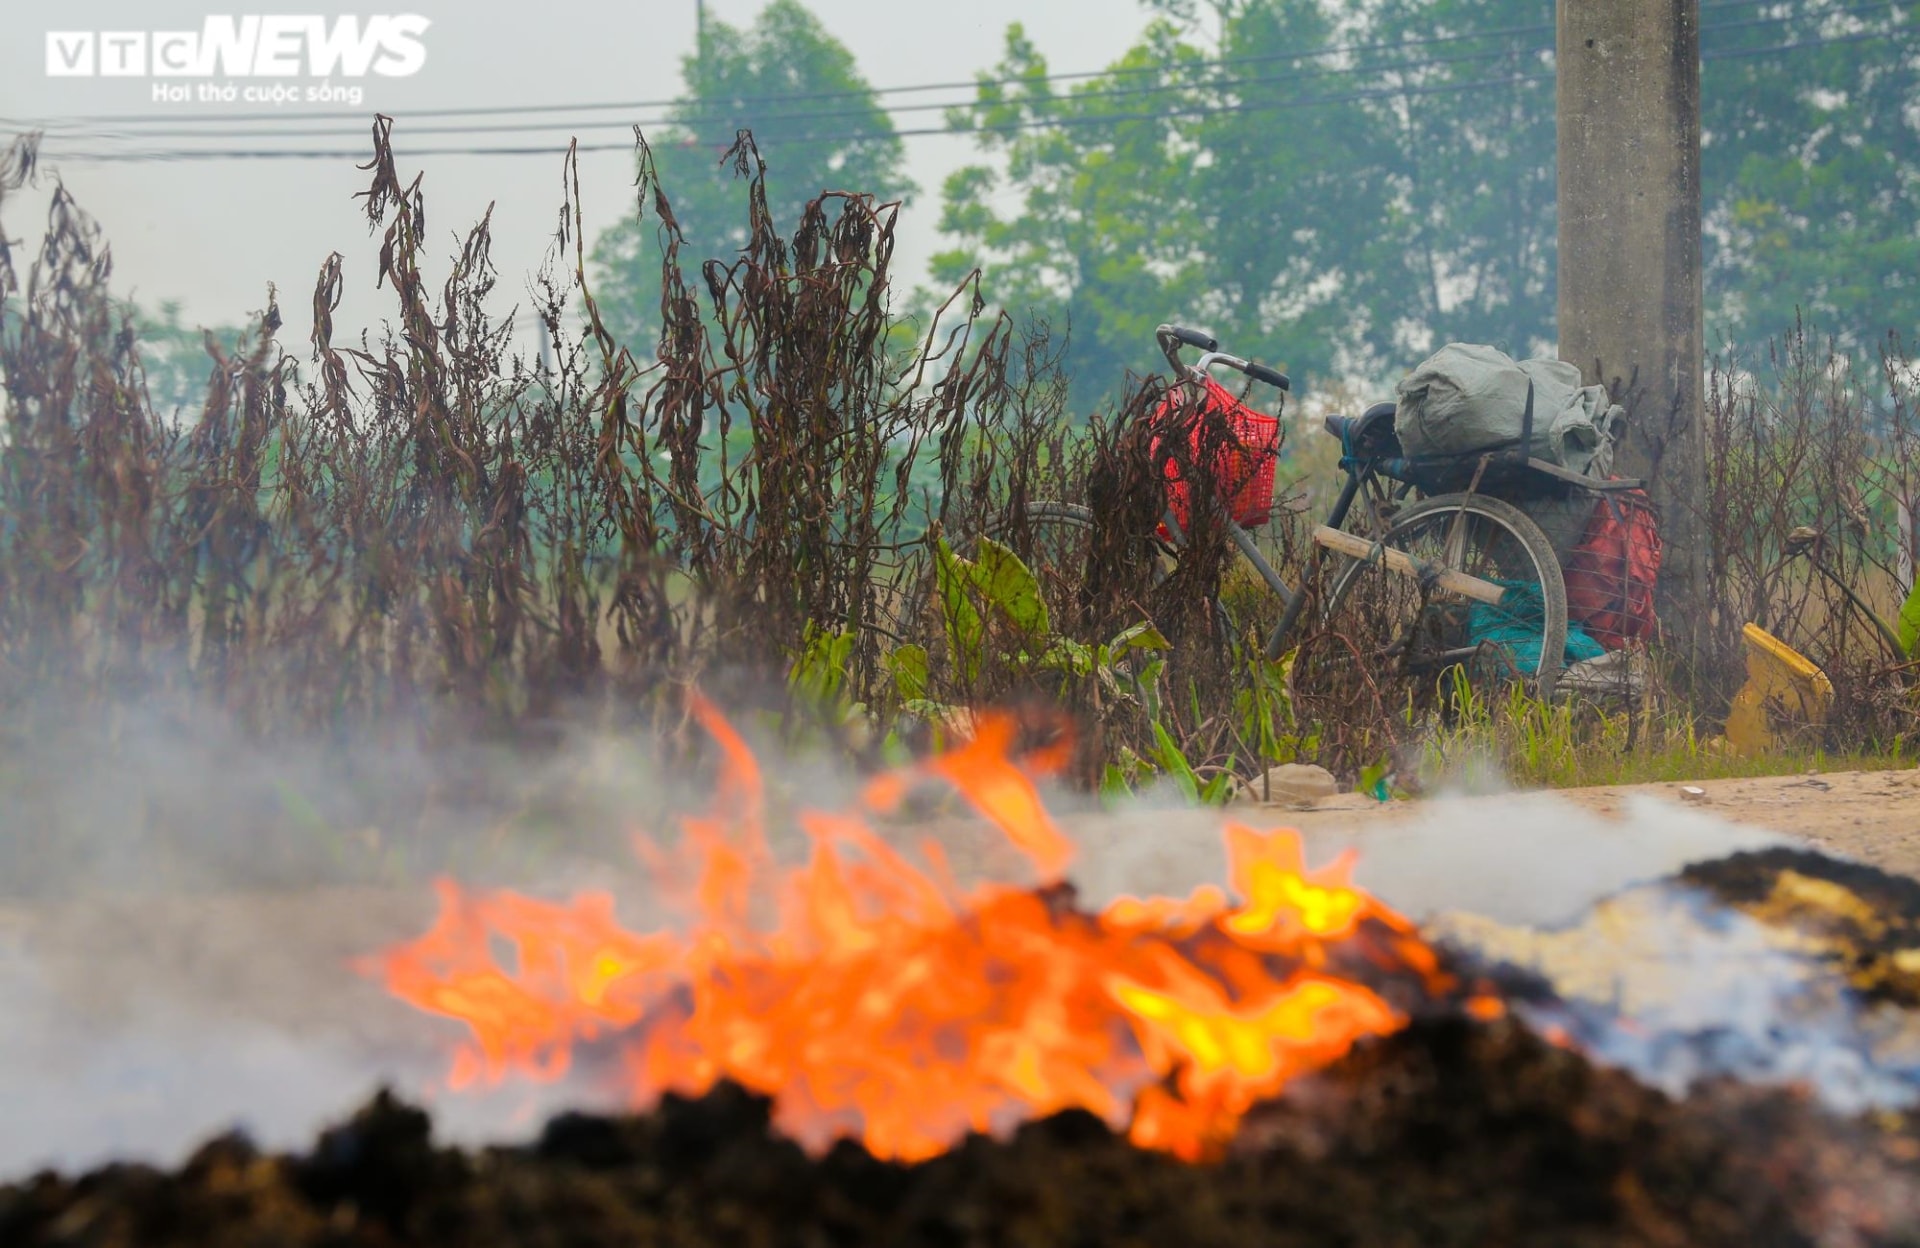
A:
(881, 1001)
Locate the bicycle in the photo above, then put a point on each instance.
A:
(1455, 579)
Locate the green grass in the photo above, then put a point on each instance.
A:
(1576, 745)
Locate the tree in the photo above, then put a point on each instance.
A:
(1466, 111)
(815, 119)
(1290, 170)
(1338, 190)
(1810, 167)
(1105, 244)
(1327, 212)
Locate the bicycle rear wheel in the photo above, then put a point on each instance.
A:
(1412, 628)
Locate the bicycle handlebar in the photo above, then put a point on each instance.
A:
(1169, 334)
(1272, 376)
(1259, 372)
(1173, 337)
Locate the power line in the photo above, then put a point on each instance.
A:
(146, 119)
(1041, 123)
(1727, 54)
(809, 96)
(1034, 124)
(734, 120)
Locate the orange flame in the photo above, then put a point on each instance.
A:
(885, 1003)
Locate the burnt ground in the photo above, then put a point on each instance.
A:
(1449, 1133)
(136, 1025)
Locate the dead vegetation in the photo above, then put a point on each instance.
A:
(1813, 492)
(428, 537)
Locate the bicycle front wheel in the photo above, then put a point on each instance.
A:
(1399, 618)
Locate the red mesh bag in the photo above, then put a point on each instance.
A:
(1612, 573)
(1243, 458)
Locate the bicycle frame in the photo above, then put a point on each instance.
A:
(1375, 464)
(1360, 473)
(1357, 476)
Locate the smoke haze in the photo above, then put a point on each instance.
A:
(182, 964)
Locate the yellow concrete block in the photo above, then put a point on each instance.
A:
(1784, 691)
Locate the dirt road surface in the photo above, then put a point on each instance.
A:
(133, 1026)
(1871, 816)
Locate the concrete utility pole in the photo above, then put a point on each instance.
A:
(1629, 290)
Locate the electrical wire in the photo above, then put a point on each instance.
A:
(1175, 111)
(732, 121)
(808, 96)
(51, 125)
(1034, 124)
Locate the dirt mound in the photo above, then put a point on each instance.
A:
(1450, 1132)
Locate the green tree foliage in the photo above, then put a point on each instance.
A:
(1337, 189)
(1322, 213)
(817, 124)
(1465, 251)
(1279, 187)
(1811, 169)
(1106, 238)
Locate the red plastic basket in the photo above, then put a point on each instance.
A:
(1243, 459)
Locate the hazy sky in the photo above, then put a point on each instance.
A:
(214, 233)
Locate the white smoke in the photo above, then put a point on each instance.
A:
(180, 965)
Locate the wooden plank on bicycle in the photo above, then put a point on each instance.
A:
(1399, 561)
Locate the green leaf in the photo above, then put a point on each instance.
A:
(1141, 636)
(893, 751)
(952, 576)
(932, 712)
(820, 669)
(1263, 704)
(1172, 761)
(1908, 631)
(1218, 789)
(1065, 654)
(1007, 583)
(1373, 780)
(907, 665)
(1149, 686)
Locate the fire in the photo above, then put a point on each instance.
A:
(879, 1000)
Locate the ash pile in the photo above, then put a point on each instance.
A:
(1630, 1094)
(1773, 966)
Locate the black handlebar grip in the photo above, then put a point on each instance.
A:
(1272, 376)
(1193, 337)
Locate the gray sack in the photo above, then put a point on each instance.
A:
(1467, 398)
